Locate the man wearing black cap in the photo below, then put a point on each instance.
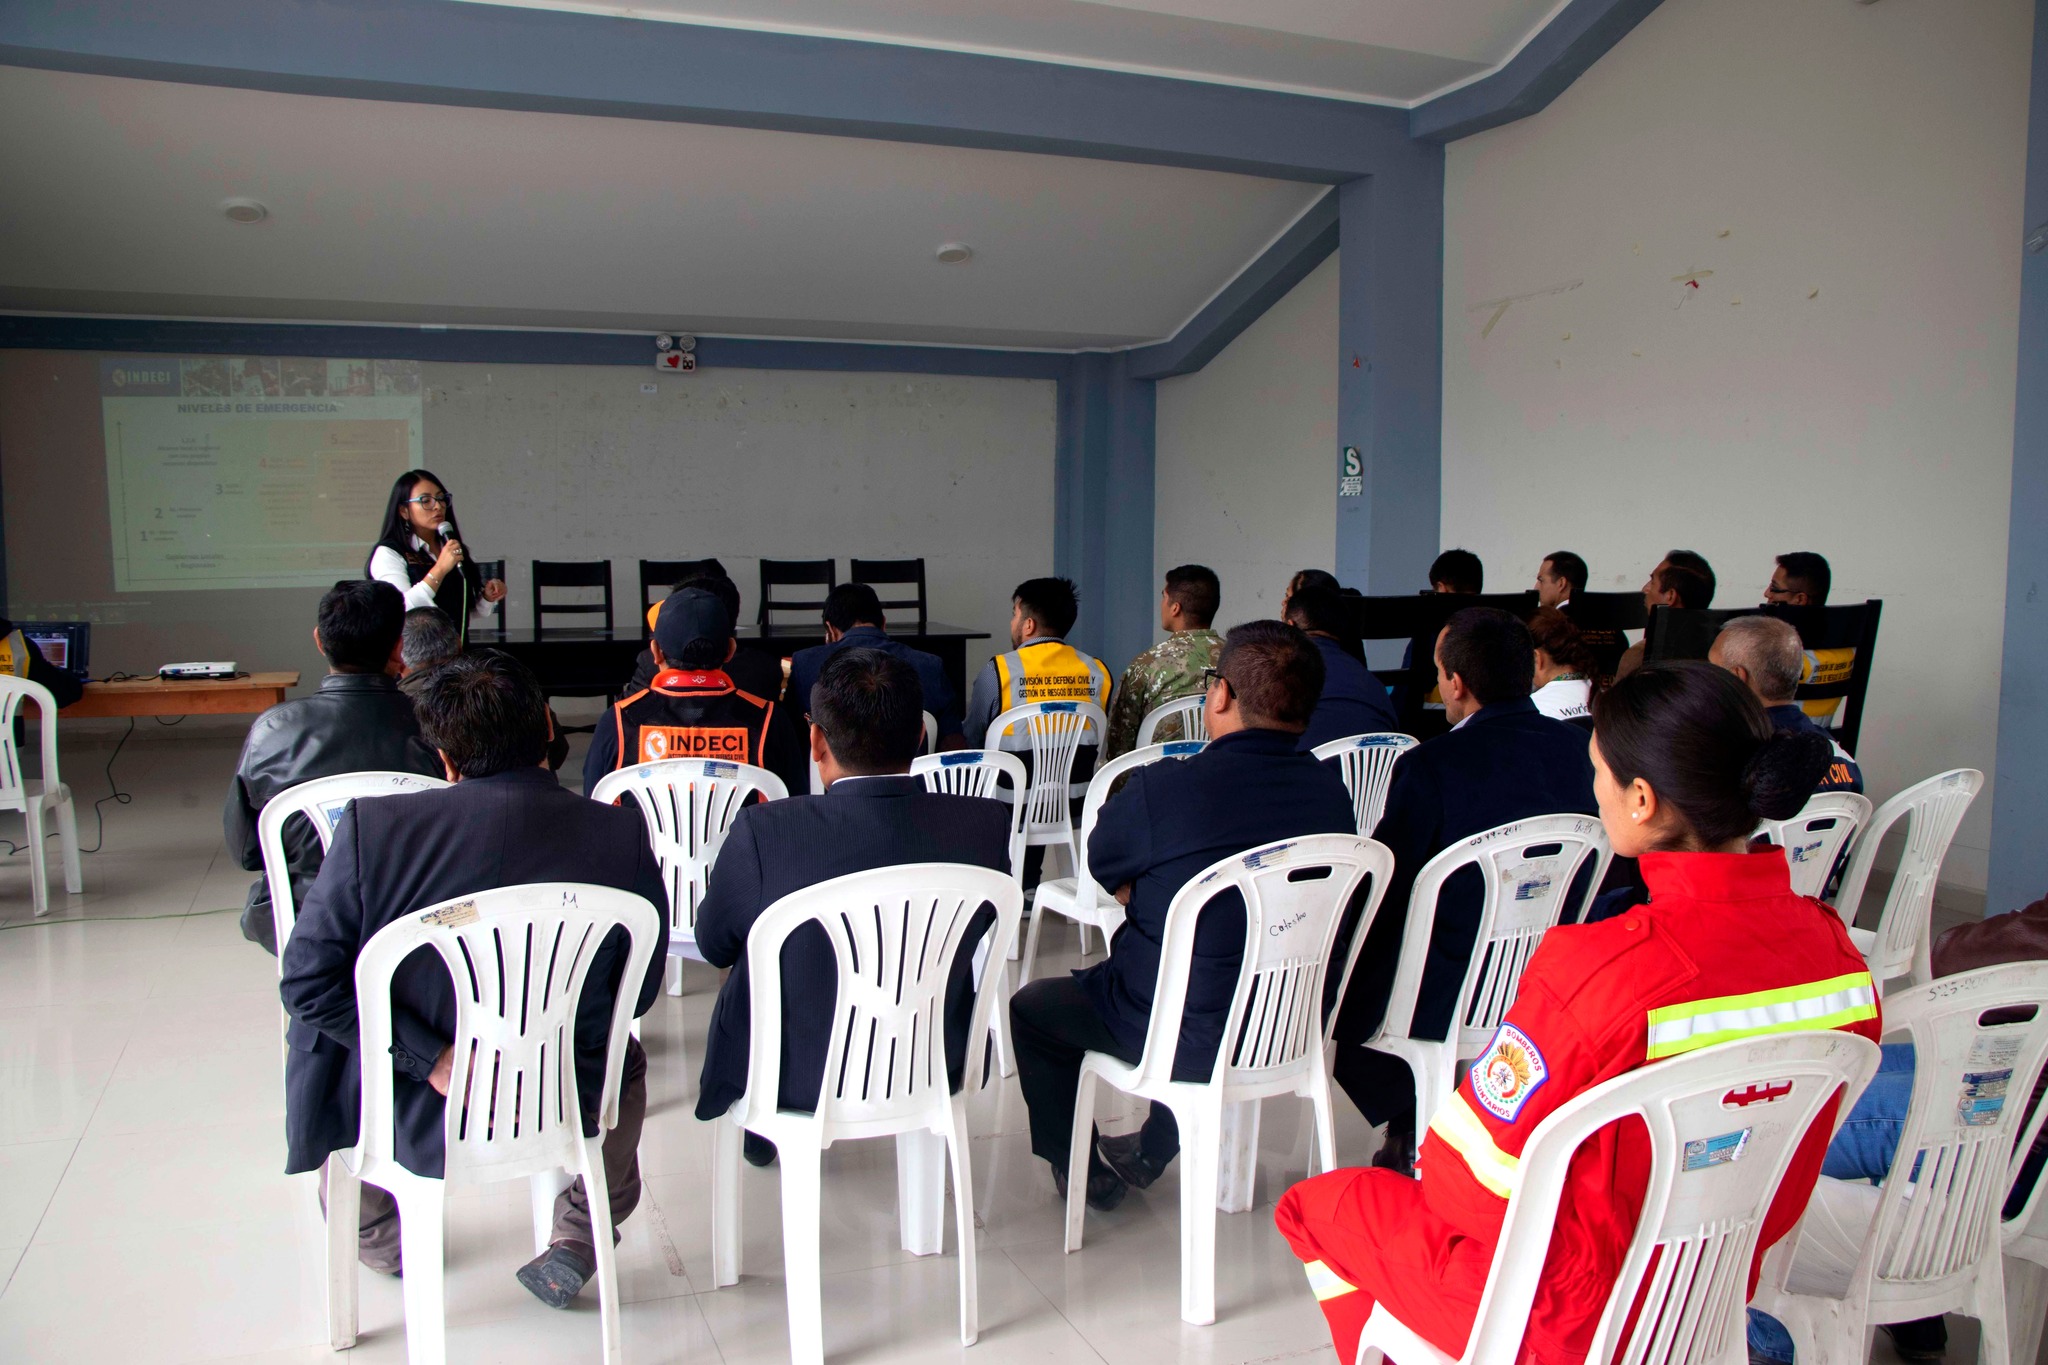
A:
(693, 709)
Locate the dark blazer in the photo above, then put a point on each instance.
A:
(355, 722)
(782, 846)
(1354, 701)
(1506, 762)
(398, 854)
(939, 698)
(1169, 822)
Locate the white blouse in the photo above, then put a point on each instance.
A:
(388, 566)
(1564, 698)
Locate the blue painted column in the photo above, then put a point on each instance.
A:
(1390, 377)
(2019, 855)
(1102, 514)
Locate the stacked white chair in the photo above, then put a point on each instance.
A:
(1818, 838)
(513, 1109)
(1273, 1035)
(895, 933)
(2025, 1236)
(1186, 711)
(1927, 1240)
(1932, 810)
(1528, 869)
(1056, 731)
(38, 798)
(1367, 762)
(984, 773)
(1679, 1296)
(1079, 897)
(689, 805)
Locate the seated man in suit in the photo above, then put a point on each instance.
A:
(505, 822)
(1457, 571)
(1682, 578)
(1766, 654)
(1502, 760)
(1559, 578)
(865, 725)
(1354, 700)
(693, 708)
(754, 667)
(1173, 668)
(1250, 786)
(358, 721)
(854, 620)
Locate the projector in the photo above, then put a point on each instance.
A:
(214, 669)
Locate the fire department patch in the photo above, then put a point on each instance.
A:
(1507, 1073)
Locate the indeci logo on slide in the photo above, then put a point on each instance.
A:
(122, 377)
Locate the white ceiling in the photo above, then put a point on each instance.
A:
(1385, 51)
(431, 213)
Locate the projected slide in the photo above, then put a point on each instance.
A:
(252, 472)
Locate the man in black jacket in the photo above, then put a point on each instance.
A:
(1502, 760)
(505, 822)
(1249, 787)
(866, 720)
(755, 667)
(358, 721)
(1353, 701)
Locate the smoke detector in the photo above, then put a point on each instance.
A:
(244, 211)
(953, 253)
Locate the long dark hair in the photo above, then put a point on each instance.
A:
(397, 532)
(1703, 743)
(1556, 636)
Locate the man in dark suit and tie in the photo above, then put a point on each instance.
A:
(865, 724)
(1171, 820)
(1502, 760)
(505, 822)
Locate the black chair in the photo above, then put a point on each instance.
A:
(658, 577)
(1602, 617)
(1417, 619)
(1829, 634)
(795, 573)
(892, 572)
(568, 573)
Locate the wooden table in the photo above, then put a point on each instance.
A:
(182, 696)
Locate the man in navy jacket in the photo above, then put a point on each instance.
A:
(865, 724)
(1171, 820)
(1502, 760)
(1353, 700)
(854, 620)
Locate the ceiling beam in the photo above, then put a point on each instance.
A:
(1558, 54)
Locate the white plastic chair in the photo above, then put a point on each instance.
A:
(1528, 869)
(1273, 1035)
(895, 932)
(931, 733)
(1818, 838)
(689, 805)
(36, 797)
(1696, 1236)
(1927, 1240)
(518, 956)
(1367, 763)
(1932, 810)
(1056, 731)
(2025, 1237)
(1079, 897)
(983, 773)
(1187, 710)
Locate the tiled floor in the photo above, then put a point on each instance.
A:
(144, 1216)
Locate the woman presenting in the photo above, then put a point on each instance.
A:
(414, 555)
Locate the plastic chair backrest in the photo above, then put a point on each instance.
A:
(689, 805)
(983, 773)
(895, 933)
(321, 801)
(1088, 896)
(1294, 894)
(1724, 1124)
(517, 956)
(1367, 763)
(1187, 711)
(13, 692)
(1527, 869)
(1932, 810)
(1818, 838)
(931, 733)
(1972, 1081)
(1056, 730)
(2025, 1234)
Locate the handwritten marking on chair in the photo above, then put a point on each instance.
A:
(1279, 927)
(452, 916)
(1719, 1150)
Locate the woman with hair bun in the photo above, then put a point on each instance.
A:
(1685, 765)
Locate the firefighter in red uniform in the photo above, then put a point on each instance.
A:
(1685, 764)
(692, 709)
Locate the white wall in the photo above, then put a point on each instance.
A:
(1246, 453)
(1843, 379)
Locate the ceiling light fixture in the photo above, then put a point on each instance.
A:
(244, 211)
(952, 253)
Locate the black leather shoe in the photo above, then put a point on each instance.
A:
(558, 1275)
(1105, 1188)
(1397, 1150)
(758, 1151)
(1125, 1155)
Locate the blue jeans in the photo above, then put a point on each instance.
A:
(1862, 1150)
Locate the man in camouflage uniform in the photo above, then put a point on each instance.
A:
(1172, 668)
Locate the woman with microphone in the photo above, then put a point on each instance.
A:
(419, 552)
